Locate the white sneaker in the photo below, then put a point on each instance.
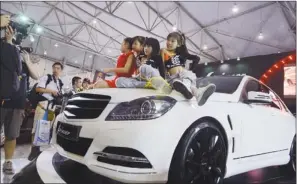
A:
(8, 168)
(184, 87)
(203, 93)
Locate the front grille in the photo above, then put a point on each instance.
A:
(86, 106)
(126, 157)
(78, 147)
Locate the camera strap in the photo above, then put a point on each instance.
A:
(58, 85)
(18, 60)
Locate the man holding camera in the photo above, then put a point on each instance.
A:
(50, 89)
(12, 109)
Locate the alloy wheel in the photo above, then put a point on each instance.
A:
(205, 158)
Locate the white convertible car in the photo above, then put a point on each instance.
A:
(136, 136)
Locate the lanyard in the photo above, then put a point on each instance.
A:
(56, 82)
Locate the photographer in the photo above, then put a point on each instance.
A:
(50, 89)
(12, 110)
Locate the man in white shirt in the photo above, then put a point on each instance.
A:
(50, 86)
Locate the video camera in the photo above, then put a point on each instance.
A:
(20, 27)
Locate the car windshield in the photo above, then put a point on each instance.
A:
(224, 84)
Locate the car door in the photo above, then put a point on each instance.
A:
(282, 123)
(256, 122)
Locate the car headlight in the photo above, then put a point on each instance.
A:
(142, 109)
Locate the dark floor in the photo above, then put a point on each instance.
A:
(73, 172)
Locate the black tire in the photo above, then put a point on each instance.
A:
(200, 156)
(289, 170)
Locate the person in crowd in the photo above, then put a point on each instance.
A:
(50, 88)
(137, 48)
(151, 70)
(182, 80)
(125, 66)
(76, 84)
(86, 84)
(101, 76)
(4, 20)
(13, 111)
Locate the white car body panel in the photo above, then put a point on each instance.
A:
(158, 138)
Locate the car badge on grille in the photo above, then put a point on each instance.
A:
(63, 131)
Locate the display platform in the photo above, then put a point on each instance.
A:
(50, 167)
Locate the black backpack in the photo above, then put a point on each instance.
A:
(35, 97)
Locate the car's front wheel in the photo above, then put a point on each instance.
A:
(200, 156)
(289, 170)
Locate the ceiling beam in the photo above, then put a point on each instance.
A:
(83, 48)
(137, 26)
(264, 5)
(293, 32)
(168, 22)
(202, 26)
(78, 28)
(97, 18)
(291, 9)
(83, 22)
(247, 39)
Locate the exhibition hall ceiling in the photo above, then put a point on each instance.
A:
(79, 32)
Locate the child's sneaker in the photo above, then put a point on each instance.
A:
(203, 93)
(7, 168)
(184, 87)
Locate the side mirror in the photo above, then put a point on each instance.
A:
(258, 97)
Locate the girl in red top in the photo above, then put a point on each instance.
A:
(126, 66)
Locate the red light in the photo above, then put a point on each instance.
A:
(275, 66)
(265, 76)
(283, 62)
(291, 57)
(270, 71)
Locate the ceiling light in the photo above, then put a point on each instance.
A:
(75, 61)
(228, 58)
(56, 45)
(90, 56)
(204, 47)
(32, 38)
(205, 63)
(278, 52)
(129, 2)
(45, 53)
(235, 8)
(260, 37)
(24, 18)
(94, 21)
(38, 29)
(222, 61)
(174, 28)
(238, 58)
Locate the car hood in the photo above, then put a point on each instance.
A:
(127, 94)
